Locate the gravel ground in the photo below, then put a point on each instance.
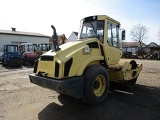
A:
(22, 100)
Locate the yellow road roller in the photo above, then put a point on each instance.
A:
(84, 68)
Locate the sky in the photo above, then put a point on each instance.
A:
(38, 15)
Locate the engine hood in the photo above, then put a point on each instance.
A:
(71, 59)
(70, 48)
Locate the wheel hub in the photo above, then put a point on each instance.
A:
(96, 84)
(99, 85)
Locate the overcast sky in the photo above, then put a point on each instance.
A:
(65, 15)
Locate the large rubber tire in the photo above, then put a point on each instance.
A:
(96, 84)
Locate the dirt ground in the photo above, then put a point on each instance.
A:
(22, 100)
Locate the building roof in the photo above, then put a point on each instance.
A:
(131, 44)
(21, 33)
(152, 44)
(76, 33)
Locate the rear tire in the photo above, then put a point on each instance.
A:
(96, 84)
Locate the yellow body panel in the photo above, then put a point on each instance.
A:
(46, 67)
(81, 54)
(89, 61)
(49, 67)
(114, 52)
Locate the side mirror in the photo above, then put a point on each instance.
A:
(123, 34)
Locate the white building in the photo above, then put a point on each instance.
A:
(17, 37)
(73, 36)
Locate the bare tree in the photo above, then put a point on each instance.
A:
(139, 33)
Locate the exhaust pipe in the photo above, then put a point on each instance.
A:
(55, 45)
